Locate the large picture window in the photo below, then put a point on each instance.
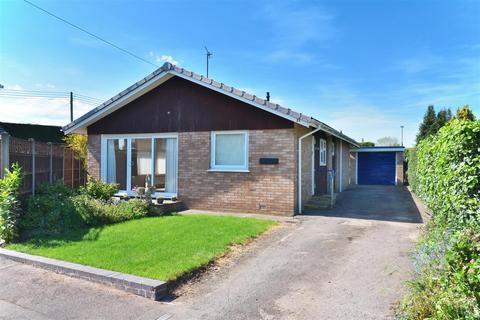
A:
(139, 161)
(229, 151)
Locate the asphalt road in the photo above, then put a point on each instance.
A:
(345, 263)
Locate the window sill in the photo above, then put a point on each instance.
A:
(228, 170)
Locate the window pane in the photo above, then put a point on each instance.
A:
(141, 162)
(117, 162)
(230, 149)
(165, 179)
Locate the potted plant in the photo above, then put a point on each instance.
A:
(160, 200)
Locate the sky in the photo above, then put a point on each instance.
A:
(364, 67)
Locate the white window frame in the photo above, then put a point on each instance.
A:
(322, 152)
(226, 168)
(129, 137)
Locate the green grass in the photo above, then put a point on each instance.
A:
(161, 248)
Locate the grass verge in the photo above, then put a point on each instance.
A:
(162, 248)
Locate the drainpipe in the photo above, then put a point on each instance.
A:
(300, 167)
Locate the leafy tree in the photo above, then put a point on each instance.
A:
(367, 144)
(78, 143)
(432, 122)
(428, 126)
(443, 117)
(465, 113)
(388, 142)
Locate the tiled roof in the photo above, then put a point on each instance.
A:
(33, 131)
(219, 86)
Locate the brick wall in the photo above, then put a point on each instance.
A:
(307, 152)
(353, 168)
(265, 189)
(93, 156)
(399, 167)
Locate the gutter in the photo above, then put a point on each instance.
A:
(300, 167)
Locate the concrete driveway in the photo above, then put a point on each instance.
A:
(345, 263)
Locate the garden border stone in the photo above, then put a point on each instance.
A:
(145, 287)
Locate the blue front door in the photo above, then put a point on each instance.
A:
(376, 168)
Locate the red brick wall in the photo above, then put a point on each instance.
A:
(265, 189)
(93, 156)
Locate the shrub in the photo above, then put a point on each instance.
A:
(448, 172)
(51, 210)
(10, 203)
(444, 171)
(411, 158)
(98, 189)
(97, 212)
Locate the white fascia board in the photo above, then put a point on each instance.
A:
(129, 97)
(386, 149)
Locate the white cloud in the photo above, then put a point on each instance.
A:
(421, 62)
(40, 110)
(45, 86)
(163, 58)
(295, 24)
(13, 87)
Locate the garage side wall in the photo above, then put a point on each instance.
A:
(400, 158)
(352, 168)
(345, 164)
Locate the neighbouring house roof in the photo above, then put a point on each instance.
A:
(168, 71)
(37, 132)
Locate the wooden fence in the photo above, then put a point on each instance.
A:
(42, 162)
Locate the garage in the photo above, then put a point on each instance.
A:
(380, 166)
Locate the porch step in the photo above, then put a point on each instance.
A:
(320, 202)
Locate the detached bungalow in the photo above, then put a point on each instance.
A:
(213, 146)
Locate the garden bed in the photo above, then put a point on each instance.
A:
(163, 248)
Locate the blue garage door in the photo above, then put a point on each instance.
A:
(376, 168)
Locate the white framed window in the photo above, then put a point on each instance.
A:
(138, 160)
(229, 151)
(323, 152)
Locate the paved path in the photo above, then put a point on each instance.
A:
(346, 263)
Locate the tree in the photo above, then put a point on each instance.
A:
(465, 113)
(388, 142)
(78, 143)
(443, 117)
(432, 122)
(428, 126)
(367, 144)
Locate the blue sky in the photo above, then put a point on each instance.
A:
(364, 67)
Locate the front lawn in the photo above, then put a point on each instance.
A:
(160, 248)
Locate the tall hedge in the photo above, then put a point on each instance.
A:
(445, 172)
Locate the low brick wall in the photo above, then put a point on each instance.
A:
(148, 288)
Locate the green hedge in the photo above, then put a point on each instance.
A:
(444, 170)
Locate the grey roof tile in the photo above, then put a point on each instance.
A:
(168, 67)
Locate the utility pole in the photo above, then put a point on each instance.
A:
(209, 54)
(71, 106)
(401, 143)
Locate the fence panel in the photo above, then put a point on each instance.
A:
(49, 162)
(21, 152)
